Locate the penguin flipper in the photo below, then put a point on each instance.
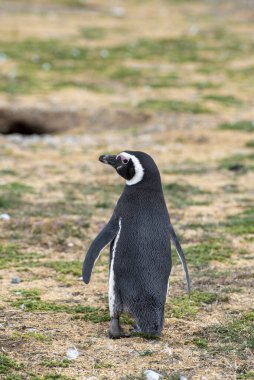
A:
(179, 250)
(108, 233)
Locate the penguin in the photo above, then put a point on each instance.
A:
(139, 233)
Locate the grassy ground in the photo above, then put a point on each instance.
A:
(172, 78)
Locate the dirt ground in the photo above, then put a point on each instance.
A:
(172, 78)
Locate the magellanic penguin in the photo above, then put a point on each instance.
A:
(139, 233)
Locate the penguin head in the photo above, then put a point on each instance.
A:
(135, 167)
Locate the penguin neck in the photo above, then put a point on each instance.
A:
(149, 182)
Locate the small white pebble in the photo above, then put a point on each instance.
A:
(151, 375)
(5, 216)
(104, 53)
(46, 66)
(183, 378)
(118, 11)
(72, 353)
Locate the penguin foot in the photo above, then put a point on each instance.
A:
(115, 330)
(119, 335)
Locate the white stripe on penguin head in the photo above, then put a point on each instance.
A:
(139, 170)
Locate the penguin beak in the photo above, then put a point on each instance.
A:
(107, 159)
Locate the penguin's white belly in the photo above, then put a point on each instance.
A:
(111, 273)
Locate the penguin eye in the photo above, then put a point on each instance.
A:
(125, 161)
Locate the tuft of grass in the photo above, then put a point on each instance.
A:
(200, 342)
(235, 336)
(93, 33)
(10, 254)
(65, 363)
(133, 76)
(247, 375)
(210, 250)
(183, 194)
(8, 172)
(205, 85)
(241, 224)
(238, 163)
(162, 105)
(11, 194)
(30, 300)
(65, 267)
(7, 364)
(32, 335)
(250, 144)
(227, 100)
(242, 125)
(181, 307)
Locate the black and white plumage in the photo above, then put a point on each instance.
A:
(139, 233)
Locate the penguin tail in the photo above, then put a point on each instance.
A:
(179, 250)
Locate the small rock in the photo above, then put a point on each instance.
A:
(118, 11)
(72, 353)
(16, 280)
(104, 53)
(46, 66)
(5, 216)
(3, 57)
(151, 375)
(183, 378)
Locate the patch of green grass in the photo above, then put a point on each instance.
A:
(10, 254)
(232, 290)
(241, 224)
(104, 204)
(207, 227)
(93, 33)
(235, 336)
(205, 85)
(65, 267)
(65, 363)
(211, 249)
(180, 307)
(227, 100)
(30, 300)
(8, 172)
(162, 105)
(52, 376)
(248, 375)
(182, 194)
(32, 335)
(239, 163)
(243, 125)
(96, 87)
(7, 364)
(99, 364)
(250, 144)
(186, 169)
(146, 353)
(133, 76)
(200, 342)
(11, 194)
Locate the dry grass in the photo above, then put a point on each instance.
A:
(166, 58)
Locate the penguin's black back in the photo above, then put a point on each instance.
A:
(142, 261)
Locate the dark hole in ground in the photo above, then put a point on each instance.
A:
(30, 121)
(25, 128)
